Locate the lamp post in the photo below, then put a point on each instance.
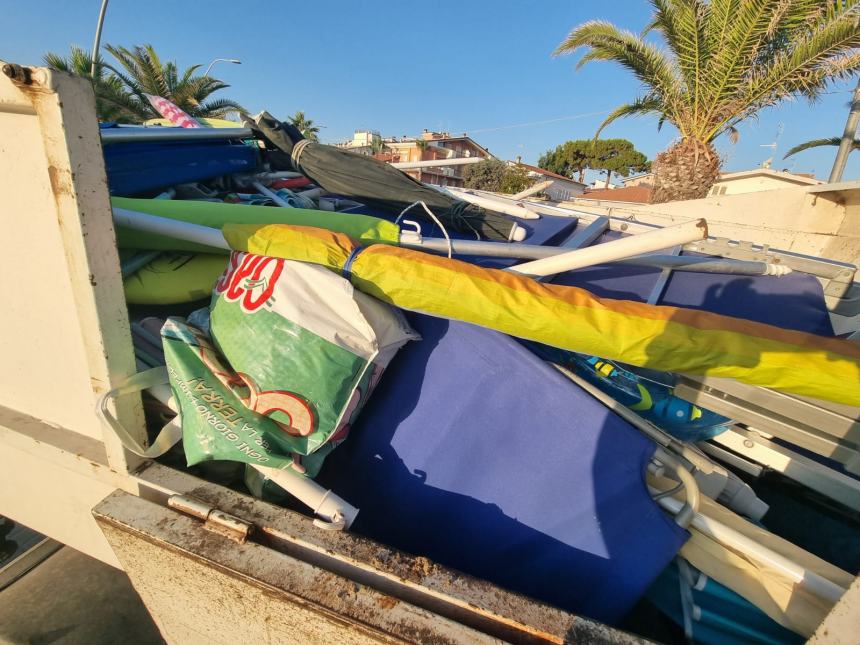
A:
(220, 60)
(98, 38)
(848, 137)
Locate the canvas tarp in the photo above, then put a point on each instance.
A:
(380, 185)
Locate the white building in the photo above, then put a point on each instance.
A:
(751, 181)
(561, 189)
(365, 142)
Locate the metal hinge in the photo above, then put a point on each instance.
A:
(214, 519)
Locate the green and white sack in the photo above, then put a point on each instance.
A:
(295, 347)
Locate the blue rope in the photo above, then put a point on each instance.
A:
(347, 266)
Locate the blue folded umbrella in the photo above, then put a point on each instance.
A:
(133, 168)
(477, 454)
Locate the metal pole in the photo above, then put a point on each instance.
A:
(624, 247)
(127, 135)
(690, 264)
(98, 39)
(222, 60)
(212, 237)
(847, 143)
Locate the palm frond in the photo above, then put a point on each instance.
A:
(809, 64)
(817, 143)
(649, 64)
(638, 107)
(217, 108)
(747, 31)
(683, 25)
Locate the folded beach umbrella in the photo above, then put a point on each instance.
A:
(379, 184)
(663, 338)
(366, 229)
(172, 112)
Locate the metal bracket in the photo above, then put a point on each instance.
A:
(214, 520)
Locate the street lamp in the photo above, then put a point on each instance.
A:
(98, 38)
(235, 61)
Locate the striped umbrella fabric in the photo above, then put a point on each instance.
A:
(172, 112)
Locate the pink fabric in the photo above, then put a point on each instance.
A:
(172, 112)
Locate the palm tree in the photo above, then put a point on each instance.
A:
(723, 62)
(120, 89)
(110, 94)
(817, 143)
(305, 126)
(143, 73)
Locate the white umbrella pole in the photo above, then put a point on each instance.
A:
(490, 203)
(626, 247)
(336, 512)
(271, 195)
(186, 231)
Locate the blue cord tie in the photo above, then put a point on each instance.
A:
(347, 266)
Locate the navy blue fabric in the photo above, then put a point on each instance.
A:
(478, 455)
(795, 301)
(134, 168)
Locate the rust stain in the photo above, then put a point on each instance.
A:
(54, 176)
(387, 602)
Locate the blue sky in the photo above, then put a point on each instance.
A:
(398, 67)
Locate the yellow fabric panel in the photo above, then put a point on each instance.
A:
(174, 278)
(302, 243)
(664, 338)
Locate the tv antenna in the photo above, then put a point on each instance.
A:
(767, 163)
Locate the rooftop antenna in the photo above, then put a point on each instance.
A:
(769, 161)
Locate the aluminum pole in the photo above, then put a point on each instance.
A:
(212, 237)
(848, 137)
(128, 135)
(98, 39)
(625, 247)
(221, 60)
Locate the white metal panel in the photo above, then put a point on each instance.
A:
(53, 501)
(45, 372)
(64, 333)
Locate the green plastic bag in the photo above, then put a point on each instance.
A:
(294, 353)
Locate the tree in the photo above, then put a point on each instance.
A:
(120, 88)
(305, 126)
(723, 62)
(609, 155)
(617, 156)
(496, 176)
(571, 157)
(817, 143)
(144, 73)
(110, 93)
(515, 180)
(485, 175)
